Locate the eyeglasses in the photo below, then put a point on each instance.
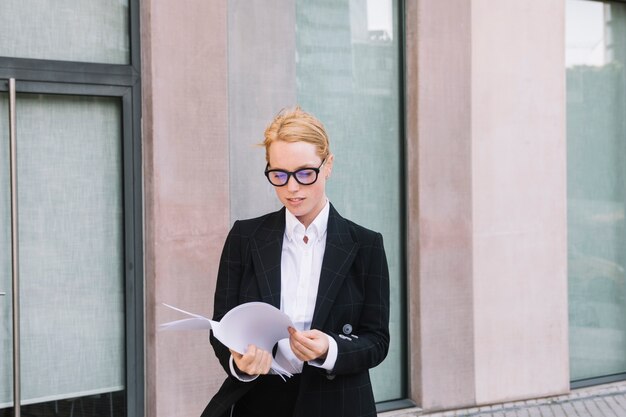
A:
(304, 176)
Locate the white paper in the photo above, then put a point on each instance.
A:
(255, 323)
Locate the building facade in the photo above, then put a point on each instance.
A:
(483, 139)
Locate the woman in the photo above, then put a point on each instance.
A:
(328, 274)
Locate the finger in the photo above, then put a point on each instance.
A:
(295, 344)
(305, 342)
(295, 348)
(236, 355)
(248, 356)
(239, 361)
(301, 351)
(311, 344)
(311, 334)
(299, 336)
(267, 363)
(258, 360)
(246, 361)
(251, 351)
(319, 340)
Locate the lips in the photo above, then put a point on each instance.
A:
(295, 200)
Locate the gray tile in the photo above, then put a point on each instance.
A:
(581, 410)
(602, 405)
(609, 401)
(621, 400)
(617, 408)
(569, 409)
(546, 411)
(591, 405)
(557, 410)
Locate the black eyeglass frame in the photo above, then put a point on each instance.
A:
(293, 173)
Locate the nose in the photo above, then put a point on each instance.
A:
(292, 184)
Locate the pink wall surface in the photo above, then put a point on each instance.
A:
(487, 201)
(185, 140)
(440, 202)
(519, 199)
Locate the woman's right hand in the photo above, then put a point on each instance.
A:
(254, 362)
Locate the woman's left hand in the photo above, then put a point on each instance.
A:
(308, 345)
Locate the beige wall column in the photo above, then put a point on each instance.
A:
(185, 141)
(519, 199)
(487, 201)
(440, 202)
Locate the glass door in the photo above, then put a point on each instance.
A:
(72, 249)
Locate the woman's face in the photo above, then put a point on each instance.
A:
(303, 201)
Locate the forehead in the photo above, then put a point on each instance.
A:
(293, 155)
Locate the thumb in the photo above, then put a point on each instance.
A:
(236, 355)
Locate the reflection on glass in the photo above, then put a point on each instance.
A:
(71, 257)
(347, 75)
(339, 60)
(596, 142)
(66, 30)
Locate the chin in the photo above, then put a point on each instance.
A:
(299, 212)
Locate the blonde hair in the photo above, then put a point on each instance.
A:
(296, 125)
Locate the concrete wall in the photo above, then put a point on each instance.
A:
(440, 202)
(519, 199)
(185, 141)
(487, 201)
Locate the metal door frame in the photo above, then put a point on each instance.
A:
(133, 231)
(38, 76)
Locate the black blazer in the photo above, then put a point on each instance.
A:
(352, 307)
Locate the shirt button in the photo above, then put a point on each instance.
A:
(347, 329)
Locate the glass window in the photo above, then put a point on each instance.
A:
(66, 30)
(340, 61)
(596, 152)
(71, 256)
(347, 75)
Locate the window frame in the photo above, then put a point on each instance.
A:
(51, 77)
(403, 173)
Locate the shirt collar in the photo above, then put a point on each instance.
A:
(295, 229)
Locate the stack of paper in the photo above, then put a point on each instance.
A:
(255, 323)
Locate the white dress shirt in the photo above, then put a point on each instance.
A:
(301, 265)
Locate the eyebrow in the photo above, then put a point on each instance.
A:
(306, 166)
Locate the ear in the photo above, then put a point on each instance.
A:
(328, 166)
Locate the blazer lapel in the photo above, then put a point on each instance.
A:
(338, 257)
(266, 247)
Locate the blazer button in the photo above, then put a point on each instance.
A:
(347, 329)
